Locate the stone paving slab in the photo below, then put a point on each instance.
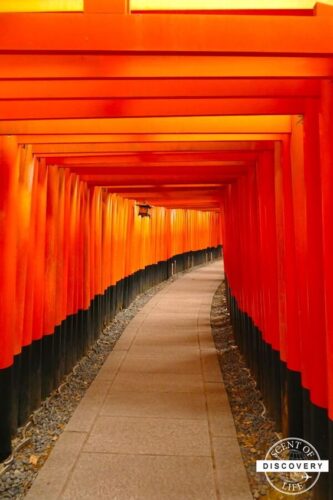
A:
(53, 476)
(156, 422)
(185, 362)
(149, 436)
(157, 382)
(141, 477)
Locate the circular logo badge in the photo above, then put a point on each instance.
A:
(293, 466)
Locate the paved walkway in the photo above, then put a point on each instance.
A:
(156, 423)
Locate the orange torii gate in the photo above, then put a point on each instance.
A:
(216, 119)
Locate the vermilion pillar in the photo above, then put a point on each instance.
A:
(291, 397)
(326, 171)
(266, 194)
(306, 180)
(312, 177)
(9, 161)
(8, 200)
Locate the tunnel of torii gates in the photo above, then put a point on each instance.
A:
(223, 123)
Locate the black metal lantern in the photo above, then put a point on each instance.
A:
(144, 209)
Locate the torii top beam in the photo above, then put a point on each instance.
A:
(173, 33)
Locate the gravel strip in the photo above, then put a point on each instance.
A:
(256, 432)
(35, 441)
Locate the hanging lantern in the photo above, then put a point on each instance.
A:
(144, 209)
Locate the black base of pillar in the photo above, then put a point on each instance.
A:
(6, 411)
(287, 401)
(41, 366)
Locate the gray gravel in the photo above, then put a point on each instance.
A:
(256, 432)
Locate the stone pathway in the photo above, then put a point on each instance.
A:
(156, 422)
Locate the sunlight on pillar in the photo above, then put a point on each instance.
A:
(222, 4)
(41, 5)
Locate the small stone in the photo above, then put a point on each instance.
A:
(33, 460)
